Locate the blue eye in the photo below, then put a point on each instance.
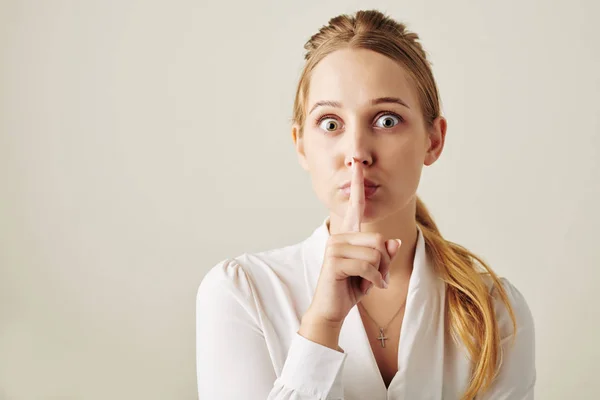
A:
(331, 124)
(390, 120)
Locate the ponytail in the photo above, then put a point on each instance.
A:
(469, 306)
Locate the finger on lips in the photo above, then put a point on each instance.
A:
(356, 203)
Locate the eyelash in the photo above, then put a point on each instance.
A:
(326, 116)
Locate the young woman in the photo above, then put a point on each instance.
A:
(375, 303)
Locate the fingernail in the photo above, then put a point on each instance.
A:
(386, 278)
(399, 242)
(385, 284)
(368, 290)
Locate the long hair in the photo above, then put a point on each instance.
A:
(469, 306)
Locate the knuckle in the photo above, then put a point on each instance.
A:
(365, 267)
(331, 258)
(378, 238)
(376, 254)
(381, 242)
(332, 248)
(332, 251)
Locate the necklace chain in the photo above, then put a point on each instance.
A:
(395, 315)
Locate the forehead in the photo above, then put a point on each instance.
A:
(355, 76)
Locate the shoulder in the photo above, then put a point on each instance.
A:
(246, 272)
(518, 303)
(227, 273)
(225, 288)
(516, 375)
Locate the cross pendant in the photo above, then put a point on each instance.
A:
(381, 337)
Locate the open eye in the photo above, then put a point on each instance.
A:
(388, 120)
(328, 124)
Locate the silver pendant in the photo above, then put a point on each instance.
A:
(381, 337)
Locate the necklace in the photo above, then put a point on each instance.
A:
(381, 333)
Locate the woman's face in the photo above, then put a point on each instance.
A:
(361, 104)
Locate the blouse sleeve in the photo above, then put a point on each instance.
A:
(232, 358)
(517, 375)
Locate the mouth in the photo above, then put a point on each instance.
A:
(367, 183)
(369, 191)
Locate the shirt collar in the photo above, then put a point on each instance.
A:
(423, 275)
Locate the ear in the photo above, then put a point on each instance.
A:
(435, 140)
(299, 144)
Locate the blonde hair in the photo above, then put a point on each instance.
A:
(469, 305)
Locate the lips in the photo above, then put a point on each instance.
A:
(367, 183)
(369, 191)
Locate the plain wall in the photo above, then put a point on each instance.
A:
(141, 142)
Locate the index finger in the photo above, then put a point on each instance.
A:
(356, 202)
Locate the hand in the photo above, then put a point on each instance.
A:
(354, 261)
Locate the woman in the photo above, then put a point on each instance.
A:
(375, 303)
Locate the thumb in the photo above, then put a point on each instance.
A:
(392, 246)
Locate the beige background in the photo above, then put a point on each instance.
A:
(142, 142)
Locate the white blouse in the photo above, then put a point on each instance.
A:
(248, 312)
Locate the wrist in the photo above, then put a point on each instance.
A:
(321, 331)
(313, 318)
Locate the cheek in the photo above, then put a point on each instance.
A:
(321, 168)
(319, 163)
(323, 188)
(404, 167)
(401, 156)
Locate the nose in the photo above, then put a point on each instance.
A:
(358, 147)
(366, 161)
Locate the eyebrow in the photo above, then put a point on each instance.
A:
(373, 102)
